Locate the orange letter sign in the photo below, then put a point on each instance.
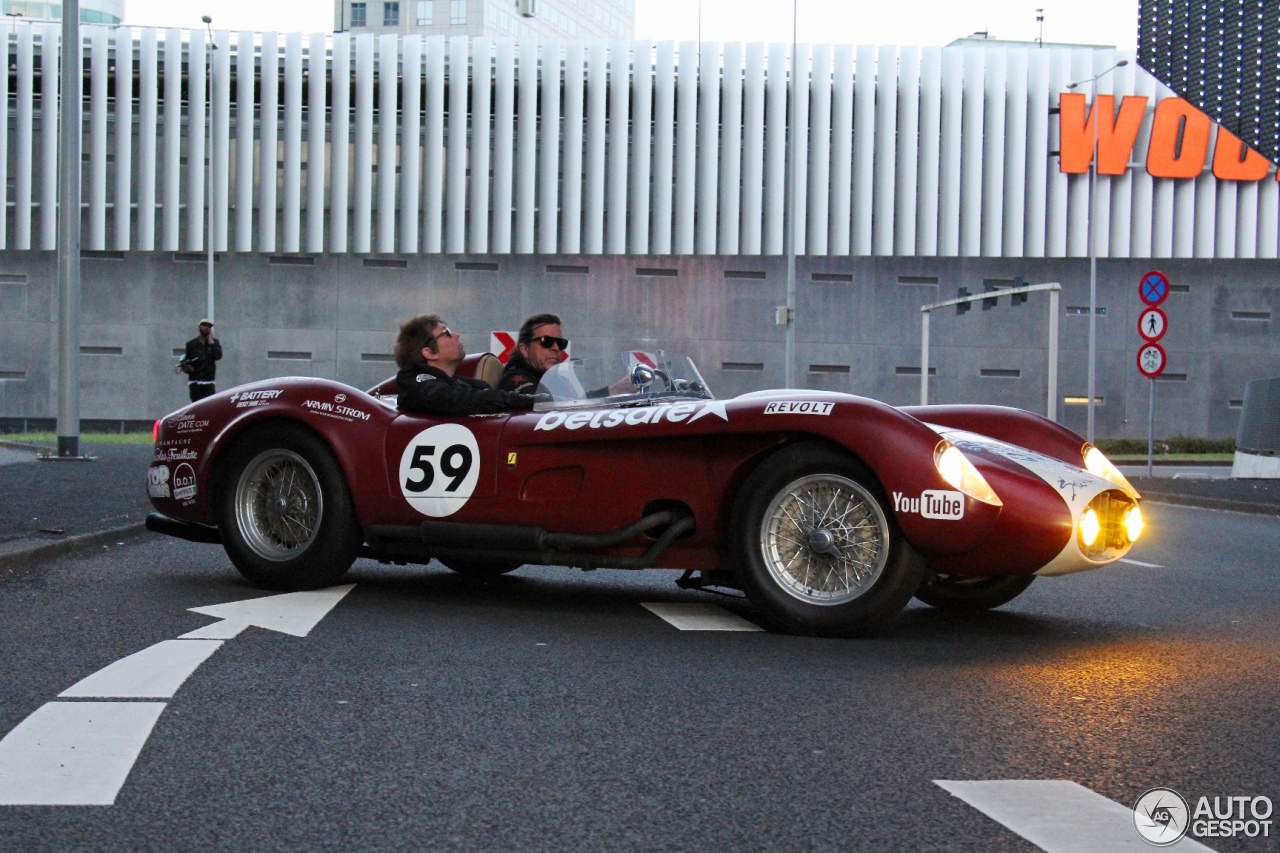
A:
(1116, 134)
(1235, 161)
(1179, 140)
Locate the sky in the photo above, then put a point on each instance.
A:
(879, 22)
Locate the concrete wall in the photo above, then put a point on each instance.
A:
(858, 327)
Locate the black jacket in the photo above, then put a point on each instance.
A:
(429, 391)
(519, 375)
(202, 359)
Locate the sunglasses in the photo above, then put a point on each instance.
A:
(547, 342)
(446, 332)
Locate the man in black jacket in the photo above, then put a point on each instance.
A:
(540, 346)
(428, 354)
(200, 363)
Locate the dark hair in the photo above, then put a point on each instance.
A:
(526, 331)
(414, 335)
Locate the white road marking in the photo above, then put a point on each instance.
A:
(74, 753)
(153, 673)
(1139, 563)
(294, 613)
(80, 753)
(1059, 816)
(699, 617)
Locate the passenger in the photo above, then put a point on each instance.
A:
(428, 354)
(540, 346)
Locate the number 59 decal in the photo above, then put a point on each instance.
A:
(439, 469)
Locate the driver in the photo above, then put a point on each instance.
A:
(540, 346)
(428, 354)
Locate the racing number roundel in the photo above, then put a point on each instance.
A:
(439, 469)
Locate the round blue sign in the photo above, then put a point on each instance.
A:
(1153, 287)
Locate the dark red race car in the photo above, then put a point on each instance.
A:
(830, 511)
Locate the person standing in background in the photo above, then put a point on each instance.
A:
(200, 363)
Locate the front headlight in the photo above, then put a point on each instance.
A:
(1108, 526)
(1097, 464)
(959, 472)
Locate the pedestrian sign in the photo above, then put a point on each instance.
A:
(1152, 324)
(1151, 360)
(1153, 287)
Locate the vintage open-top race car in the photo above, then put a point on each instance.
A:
(830, 511)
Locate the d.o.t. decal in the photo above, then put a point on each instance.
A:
(439, 469)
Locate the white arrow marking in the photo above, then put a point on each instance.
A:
(294, 613)
(80, 753)
(74, 753)
(153, 673)
(699, 617)
(1139, 563)
(1059, 816)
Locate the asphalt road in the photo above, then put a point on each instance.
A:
(548, 710)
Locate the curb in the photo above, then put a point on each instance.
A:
(1211, 503)
(24, 552)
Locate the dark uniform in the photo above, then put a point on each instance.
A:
(429, 391)
(200, 365)
(519, 375)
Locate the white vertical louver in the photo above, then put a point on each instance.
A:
(470, 145)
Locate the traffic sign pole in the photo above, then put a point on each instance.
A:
(1151, 425)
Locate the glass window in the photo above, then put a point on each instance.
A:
(457, 11)
(358, 12)
(391, 13)
(426, 13)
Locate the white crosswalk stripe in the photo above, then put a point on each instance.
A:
(692, 616)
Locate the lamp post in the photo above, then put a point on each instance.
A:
(208, 82)
(1092, 242)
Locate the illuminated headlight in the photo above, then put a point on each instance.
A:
(1133, 524)
(960, 474)
(1090, 527)
(1108, 526)
(1097, 464)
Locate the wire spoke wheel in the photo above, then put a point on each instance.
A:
(279, 504)
(824, 539)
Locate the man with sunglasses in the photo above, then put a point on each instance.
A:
(428, 354)
(540, 346)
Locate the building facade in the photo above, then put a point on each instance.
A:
(520, 19)
(640, 191)
(110, 12)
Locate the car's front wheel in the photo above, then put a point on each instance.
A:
(970, 592)
(285, 512)
(818, 551)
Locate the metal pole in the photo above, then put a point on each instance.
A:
(789, 214)
(1093, 260)
(1151, 426)
(208, 81)
(924, 358)
(69, 236)
(1052, 408)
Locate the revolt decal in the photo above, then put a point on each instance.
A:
(439, 469)
(942, 504)
(794, 407)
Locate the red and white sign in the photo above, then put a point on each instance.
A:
(502, 344)
(1151, 360)
(1152, 324)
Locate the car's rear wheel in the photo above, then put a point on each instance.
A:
(971, 592)
(285, 512)
(818, 551)
(481, 569)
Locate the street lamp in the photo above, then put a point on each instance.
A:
(1092, 241)
(208, 82)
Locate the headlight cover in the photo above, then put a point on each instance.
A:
(1097, 464)
(959, 472)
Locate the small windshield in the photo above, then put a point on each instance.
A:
(633, 377)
